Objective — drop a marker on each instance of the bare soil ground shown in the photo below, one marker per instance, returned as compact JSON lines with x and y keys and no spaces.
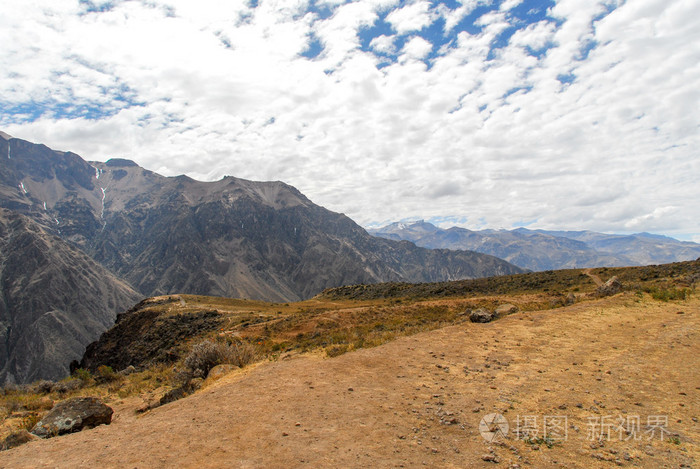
{"x":572,"y":373}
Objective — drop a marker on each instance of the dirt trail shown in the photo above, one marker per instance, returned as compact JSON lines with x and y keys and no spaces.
{"x":598,"y":282}
{"x":419,"y":400}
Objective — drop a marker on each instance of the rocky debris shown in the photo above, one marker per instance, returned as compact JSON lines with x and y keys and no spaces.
{"x":73,"y":415}
{"x":609,"y":288}
{"x":505,"y":309}
{"x":16,"y":439}
{"x":480,"y":315}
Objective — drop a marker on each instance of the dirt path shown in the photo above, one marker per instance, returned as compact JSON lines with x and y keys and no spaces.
{"x":419,"y":400}
{"x":598,"y":282}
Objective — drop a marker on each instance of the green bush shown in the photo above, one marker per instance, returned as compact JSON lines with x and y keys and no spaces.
{"x":82,"y":374}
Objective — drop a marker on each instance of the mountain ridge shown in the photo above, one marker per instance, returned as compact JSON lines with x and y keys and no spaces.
{"x":548,"y":250}
{"x":230,"y":237}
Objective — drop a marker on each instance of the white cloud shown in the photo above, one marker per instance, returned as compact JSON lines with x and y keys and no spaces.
{"x":510,"y":4}
{"x":488,"y":136}
{"x":417,"y":48}
{"x":412,"y":17}
{"x":535,"y":36}
{"x":383,"y":44}
{"x":452,"y":17}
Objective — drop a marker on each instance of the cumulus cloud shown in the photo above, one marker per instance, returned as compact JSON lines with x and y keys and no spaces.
{"x":584,"y":119}
{"x":417,"y":48}
{"x":383,"y":44}
{"x":413,"y":17}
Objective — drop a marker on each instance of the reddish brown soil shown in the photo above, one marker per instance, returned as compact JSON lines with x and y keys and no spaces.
{"x":418,"y":401}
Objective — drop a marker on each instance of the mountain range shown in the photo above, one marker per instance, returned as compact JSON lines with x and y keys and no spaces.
{"x":548,"y":250}
{"x":144,"y":234}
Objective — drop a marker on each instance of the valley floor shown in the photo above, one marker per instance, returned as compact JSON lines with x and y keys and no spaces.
{"x":571,"y":372}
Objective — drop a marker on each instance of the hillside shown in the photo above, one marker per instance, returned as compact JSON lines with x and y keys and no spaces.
{"x":238,"y":238}
{"x":54,"y":300}
{"x":419,"y":399}
{"x":540,"y":250}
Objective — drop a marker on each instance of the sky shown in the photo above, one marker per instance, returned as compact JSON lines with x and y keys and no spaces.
{"x":569,"y":114}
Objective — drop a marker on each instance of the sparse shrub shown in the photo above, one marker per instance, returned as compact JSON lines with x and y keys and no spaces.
{"x":105,"y":374}
{"x":207,"y":354}
{"x":669,"y":294}
{"x":82,"y":374}
{"x":68,"y":385}
{"x":30,"y":420}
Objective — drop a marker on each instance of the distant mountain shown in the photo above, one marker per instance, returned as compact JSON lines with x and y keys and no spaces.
{"x":54,"y":300}
{"x":641,"y":248}
{"x":548,"y":250}
{"x":261,"y":240}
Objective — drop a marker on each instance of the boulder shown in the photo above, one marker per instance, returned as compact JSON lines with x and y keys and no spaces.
{"x":480,"y":315}
{"x":505,"y":309}
{"x":611,"y":287}
{"x":73,"y":415}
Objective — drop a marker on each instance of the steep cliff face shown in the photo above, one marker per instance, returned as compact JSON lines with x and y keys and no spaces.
{"x":54,"y":300}
{"x":261,"y":240}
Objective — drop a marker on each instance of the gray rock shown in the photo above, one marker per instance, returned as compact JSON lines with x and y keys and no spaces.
{"x":505,"y":309}
{"x":611,"y":287}
{"x":480,"y":315}
{"x":73,"y":415}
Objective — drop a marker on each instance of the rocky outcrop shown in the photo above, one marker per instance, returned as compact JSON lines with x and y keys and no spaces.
{"x":73,"y":415}
{"x":481,"y":315}
{"x":150,"y":332}
{"x":609,"y":288}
